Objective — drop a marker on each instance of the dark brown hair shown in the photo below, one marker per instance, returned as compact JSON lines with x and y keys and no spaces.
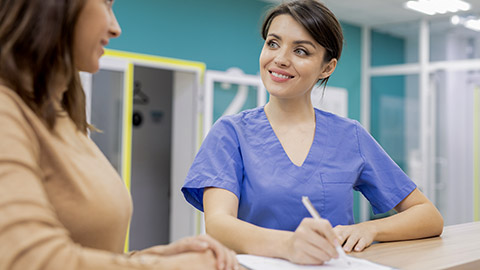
{"x":317,"y":19}
{"x":36,"y":51}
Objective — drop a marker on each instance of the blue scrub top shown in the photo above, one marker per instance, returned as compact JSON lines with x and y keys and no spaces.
{"x":242,"y":154}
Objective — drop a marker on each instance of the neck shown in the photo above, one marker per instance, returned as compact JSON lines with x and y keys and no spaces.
{"x":290,"y":111}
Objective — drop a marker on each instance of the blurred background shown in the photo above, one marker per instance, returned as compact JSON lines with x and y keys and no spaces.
{"x":409,"y":72}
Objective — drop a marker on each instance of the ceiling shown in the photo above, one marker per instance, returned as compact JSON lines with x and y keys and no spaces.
{"x":380,"y":12}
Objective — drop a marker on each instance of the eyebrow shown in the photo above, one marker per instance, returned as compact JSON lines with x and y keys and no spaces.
{"x":296,"y":41}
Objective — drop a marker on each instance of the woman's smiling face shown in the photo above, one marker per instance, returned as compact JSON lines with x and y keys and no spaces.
{"x":291,"y":62}
{"x":96,"y":25}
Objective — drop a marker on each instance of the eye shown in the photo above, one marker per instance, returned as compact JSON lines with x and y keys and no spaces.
{"x":301,"y":52}
{"x":272,"y":44}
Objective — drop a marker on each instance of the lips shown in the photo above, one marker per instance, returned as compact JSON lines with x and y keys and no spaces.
{"x":103,"y":44}
{"x":280,"y":76}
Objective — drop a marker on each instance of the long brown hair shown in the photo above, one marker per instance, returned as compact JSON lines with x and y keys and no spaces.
{"x":317,"y":19}
{"x":36,"y":50}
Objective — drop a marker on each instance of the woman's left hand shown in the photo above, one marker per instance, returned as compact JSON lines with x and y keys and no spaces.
{"x":355,"y":237}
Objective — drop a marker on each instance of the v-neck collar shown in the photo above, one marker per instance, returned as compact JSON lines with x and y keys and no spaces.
{"x":315,"y":153}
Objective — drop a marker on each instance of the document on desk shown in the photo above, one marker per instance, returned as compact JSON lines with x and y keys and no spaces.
{"x":253,"y":262}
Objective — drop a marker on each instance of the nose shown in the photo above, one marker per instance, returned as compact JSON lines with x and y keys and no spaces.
{"x":281,"y":59}
{"x":115,"y":30}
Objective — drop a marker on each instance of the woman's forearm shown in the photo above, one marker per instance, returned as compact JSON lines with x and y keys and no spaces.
{"x":247,"y":238}
{"x":418,"y":221}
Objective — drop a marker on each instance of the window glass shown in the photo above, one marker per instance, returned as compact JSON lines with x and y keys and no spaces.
{"x":453,"y":42}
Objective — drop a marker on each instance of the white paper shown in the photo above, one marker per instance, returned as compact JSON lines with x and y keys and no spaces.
{"x":265,"y":263}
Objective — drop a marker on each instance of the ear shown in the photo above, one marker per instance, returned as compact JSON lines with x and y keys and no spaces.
{"x":328,"y":68}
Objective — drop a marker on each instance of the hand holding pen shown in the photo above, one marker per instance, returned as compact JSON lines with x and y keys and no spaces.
{"x":343,"y":258}
{"x":313,"y":242}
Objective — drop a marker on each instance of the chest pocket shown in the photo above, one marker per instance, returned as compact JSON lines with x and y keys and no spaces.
{"x":338,"y":190}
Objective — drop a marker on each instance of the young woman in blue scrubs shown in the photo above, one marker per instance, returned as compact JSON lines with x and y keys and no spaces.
{"x":254,"y":167}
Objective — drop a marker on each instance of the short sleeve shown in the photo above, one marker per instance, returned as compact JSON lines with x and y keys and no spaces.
{"x":381,"y":180}
{"x":218,"y":163}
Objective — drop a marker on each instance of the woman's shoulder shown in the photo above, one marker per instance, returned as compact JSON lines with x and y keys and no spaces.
{"x":15,"y":113}
{"x":334,"y":120}
{"x":17,"y":119}
{"x":245,"y":124}
{"x":10,"y":102}
{"x":243,"y":118}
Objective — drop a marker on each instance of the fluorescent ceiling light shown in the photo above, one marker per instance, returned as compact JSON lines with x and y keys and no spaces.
{"x":432,"y":7}
{"x":473,"y":24}
{"x":470,"y":21}
{"x":455,"y":20}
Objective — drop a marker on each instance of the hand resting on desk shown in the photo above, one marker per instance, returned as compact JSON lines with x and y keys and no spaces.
{"x":202,"y":249}
{"x":355,"y":237}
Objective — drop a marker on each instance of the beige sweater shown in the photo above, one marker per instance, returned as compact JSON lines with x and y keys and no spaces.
{"x":62,"y":205}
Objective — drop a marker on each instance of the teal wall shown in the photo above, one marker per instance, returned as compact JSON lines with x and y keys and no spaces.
{"x":219,"y":33}
{"x":348,"y":72}
{"x":387,"y":49}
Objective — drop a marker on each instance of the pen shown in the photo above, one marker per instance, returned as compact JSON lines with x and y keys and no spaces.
{"x":313,"y":212}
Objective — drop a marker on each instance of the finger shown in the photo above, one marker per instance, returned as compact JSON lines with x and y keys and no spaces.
{"x":211,"y":255}
{"x":319,"y":243}
{"x":232,"y":263}
{"x":341,"y":234}
{"x":211,"y":241}
{"x":318,"y":256}
{"x":237,"y":263}
{"x":326,"y":237}
{"x":361,"y":245}
{"x":189,"y":244}
{"x":218,"y":250}
{"x":310,"y":254}
{"x":221,"y":258}
{"x":312,"y":242}
{"x":350,"y":243}
{"x":195,"y":244}
{"x":228,"y":260}
{"x":327,"y":230}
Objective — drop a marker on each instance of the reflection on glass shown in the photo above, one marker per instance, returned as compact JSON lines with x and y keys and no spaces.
{"x":232,"y":98}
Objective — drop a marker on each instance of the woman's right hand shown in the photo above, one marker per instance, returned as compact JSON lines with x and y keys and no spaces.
{"x":313,"y":242}
{"x":190,"y":260}
{"x":225,"y":259}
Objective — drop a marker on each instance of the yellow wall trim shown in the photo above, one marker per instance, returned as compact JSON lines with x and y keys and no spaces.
{"x":476,"y":153}
{"x":127,"y":135}
{"x":138,"y":57}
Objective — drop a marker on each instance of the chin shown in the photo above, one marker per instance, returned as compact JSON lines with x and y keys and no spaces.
{"x":94,"y":70}
{"x":90,"y":69}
